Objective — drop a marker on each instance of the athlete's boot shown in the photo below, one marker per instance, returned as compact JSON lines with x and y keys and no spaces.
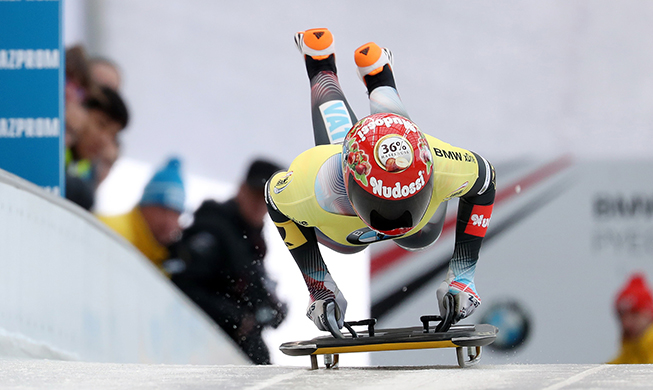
{"x":370,"y":59}
{"x":316,"y":43}
{"x":374,"y":65}
{"x":318,"y":49}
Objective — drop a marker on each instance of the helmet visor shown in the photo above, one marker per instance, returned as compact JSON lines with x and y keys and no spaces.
{"x":389,"y":216}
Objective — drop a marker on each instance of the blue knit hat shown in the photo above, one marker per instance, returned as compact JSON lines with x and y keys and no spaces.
{"x":166,"y":188}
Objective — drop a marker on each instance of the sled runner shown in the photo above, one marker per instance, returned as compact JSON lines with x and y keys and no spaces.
{"x":467,"y":339}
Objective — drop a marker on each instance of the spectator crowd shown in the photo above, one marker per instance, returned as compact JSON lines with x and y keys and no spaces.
{"x":217,"y":261}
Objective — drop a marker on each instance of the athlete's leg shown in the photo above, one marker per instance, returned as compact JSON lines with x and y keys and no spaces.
{"x":375,"y":69}
{"x":332,"y":116}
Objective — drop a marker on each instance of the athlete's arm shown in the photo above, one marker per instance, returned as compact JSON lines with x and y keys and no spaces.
{"x":474,"y":212}
{"x":303,"y":245}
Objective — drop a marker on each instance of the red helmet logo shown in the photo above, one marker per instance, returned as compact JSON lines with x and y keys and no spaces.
{"x":386,"y":156}
{"x":393,"y":153}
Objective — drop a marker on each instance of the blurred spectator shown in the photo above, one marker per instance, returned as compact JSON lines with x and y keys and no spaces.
{"x":107,"y":115}
{"x":79,"y":83}
{"x":222,"y":264}
{"x":76,"y":118}
{"x":94,"y":117}
{"x":634,"y":307}
{"x":105,"y":72}
{"x":103,"y":164}
{"x":153,"y":224}
{"x":78,"y":86}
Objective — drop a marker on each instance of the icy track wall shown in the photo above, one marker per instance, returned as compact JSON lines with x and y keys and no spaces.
{"x":72,"y":289}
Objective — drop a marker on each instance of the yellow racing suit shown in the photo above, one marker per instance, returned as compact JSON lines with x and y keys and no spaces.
{"x":309,"y":204}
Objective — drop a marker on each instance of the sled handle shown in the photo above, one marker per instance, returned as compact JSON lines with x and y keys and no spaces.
{"x":446,"y":322}
{"x":426,"y":320}
{"x":370,"y":322}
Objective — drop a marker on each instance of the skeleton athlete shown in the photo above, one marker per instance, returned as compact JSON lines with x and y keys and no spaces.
{"x":378,"y":178}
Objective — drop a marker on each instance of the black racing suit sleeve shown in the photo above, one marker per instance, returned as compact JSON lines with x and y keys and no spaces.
{"x":468,"y":246}
{"x":303,"y":245}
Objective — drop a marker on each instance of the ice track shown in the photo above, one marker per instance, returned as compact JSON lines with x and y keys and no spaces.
{"x":50,"y":374}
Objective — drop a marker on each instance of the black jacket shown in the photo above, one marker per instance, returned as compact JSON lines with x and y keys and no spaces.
{"x":224,"y":272}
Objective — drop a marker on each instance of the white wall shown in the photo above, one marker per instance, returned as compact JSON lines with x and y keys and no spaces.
{"x":72,"y":289}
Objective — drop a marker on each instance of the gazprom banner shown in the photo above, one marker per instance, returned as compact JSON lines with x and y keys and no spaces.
{"x":32,"y":91}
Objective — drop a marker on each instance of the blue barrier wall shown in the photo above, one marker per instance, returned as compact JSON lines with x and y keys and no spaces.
{"x":32,"y":91}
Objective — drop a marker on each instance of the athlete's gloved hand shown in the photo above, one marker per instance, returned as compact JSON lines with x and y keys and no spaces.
{"x":466,"y":300}
{"x":328,"y":314}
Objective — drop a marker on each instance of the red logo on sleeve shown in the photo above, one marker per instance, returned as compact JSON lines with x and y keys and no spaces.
{"x":479,"y":220}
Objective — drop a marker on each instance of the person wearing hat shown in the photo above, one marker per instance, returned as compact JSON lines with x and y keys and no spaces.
{"x":153,"y":224}
{"x":634,"y":305}
{"x":222,"y":271}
